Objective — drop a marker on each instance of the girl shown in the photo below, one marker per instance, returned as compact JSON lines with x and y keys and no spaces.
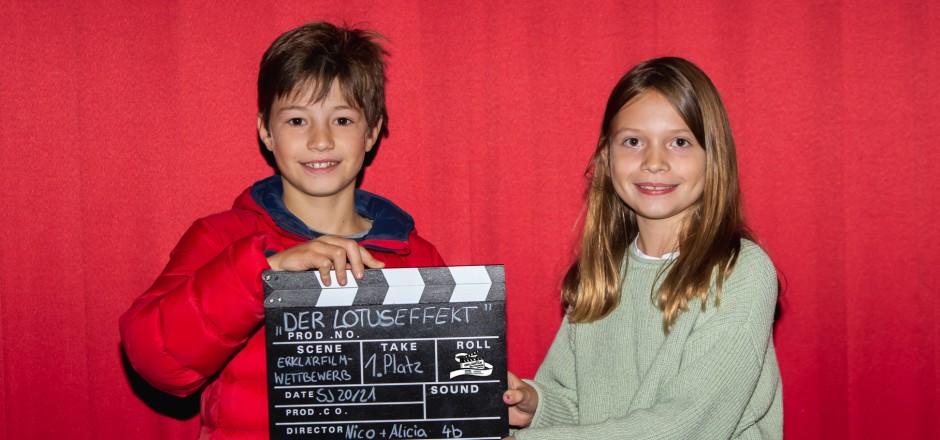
{"x":670,"y":304}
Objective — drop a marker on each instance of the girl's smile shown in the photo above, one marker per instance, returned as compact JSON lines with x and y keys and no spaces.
{"x":655,"y":189}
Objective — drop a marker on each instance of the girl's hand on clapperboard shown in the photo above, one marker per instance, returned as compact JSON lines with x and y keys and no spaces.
{"x":323,"y":254}
{"x":522,"y":400}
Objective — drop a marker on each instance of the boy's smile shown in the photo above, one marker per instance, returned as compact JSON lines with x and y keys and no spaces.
{"x":320,"y":165}
{"x":319,"y":148}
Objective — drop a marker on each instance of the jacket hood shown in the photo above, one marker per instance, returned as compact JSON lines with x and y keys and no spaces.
{"x":391,"y":225}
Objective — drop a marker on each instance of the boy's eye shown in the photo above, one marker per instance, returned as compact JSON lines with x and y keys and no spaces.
{"x":295,"y":121}
{"x":344,"y":121}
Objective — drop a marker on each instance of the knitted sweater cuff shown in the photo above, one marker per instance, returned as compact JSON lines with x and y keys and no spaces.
{"x":554,"y":408}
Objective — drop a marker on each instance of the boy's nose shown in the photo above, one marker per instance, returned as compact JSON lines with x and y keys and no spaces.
{"x":320,"y":140}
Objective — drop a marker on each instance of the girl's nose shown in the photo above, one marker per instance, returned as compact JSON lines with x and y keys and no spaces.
{"x":655,"y":161}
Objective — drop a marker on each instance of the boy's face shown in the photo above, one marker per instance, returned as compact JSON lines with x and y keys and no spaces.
{"x":318,"y":147}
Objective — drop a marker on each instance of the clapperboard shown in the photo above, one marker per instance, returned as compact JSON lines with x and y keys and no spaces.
{"x":400,"y":354}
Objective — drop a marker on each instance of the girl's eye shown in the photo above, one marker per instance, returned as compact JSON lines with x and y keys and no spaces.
{"x":681,"y":142}
{"x":344,"y":121}
{"x":631,"y":142}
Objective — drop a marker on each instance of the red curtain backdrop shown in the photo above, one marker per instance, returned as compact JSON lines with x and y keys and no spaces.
{"x":123,"y":122}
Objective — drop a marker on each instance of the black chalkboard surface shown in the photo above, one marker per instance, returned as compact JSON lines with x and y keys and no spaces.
{"x":414,"y":353}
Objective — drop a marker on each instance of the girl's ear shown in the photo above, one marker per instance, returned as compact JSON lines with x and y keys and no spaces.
{"x":264,"y":133}
{"x":373,"y":135}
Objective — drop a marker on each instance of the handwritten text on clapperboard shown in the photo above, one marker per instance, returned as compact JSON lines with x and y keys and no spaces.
{"x":400,"y":354}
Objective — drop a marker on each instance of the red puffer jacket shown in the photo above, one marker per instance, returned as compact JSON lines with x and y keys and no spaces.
{"x":199,"y":327}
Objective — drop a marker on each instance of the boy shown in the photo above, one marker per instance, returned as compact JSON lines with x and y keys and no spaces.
{"x":321,"y":103}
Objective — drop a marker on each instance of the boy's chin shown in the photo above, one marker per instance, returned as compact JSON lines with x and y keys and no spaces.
{"x":321,"y":191}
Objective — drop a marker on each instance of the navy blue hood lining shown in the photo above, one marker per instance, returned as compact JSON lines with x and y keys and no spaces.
{"x":389,"y":222}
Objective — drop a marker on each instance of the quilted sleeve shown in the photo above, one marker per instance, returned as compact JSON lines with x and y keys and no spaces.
{"x":199,"y":312}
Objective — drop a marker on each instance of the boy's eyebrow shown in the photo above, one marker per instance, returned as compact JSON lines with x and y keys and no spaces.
{"x":292,"y":107}
{"x":304,"y":107}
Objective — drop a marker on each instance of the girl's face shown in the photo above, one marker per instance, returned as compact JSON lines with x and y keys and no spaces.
{"x":656,"y":165}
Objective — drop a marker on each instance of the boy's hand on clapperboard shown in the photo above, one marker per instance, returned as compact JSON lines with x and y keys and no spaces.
{"x":323,"y":254}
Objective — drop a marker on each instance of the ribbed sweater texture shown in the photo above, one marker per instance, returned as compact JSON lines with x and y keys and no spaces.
{"x":713,"y":376}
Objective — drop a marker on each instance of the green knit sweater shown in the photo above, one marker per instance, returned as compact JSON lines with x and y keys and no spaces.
{"x":714,"y":376}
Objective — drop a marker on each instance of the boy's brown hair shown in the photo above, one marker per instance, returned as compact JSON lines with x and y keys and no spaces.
{"x":304,"y":62}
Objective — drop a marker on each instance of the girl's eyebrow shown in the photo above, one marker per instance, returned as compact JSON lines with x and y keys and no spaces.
{"x":624,"y":129}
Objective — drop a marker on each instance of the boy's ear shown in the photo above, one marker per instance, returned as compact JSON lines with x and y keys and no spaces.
{"x":374,"y":135}
{"x":263,"y":133}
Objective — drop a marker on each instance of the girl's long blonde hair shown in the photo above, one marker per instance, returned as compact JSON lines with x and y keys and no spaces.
{"x":710,"y":237}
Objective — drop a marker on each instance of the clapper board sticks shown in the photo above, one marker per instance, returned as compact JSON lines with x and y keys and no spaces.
{"x":415,"y":353}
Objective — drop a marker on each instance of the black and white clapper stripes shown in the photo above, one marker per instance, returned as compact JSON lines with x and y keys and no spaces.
{"x":387,"y":286}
